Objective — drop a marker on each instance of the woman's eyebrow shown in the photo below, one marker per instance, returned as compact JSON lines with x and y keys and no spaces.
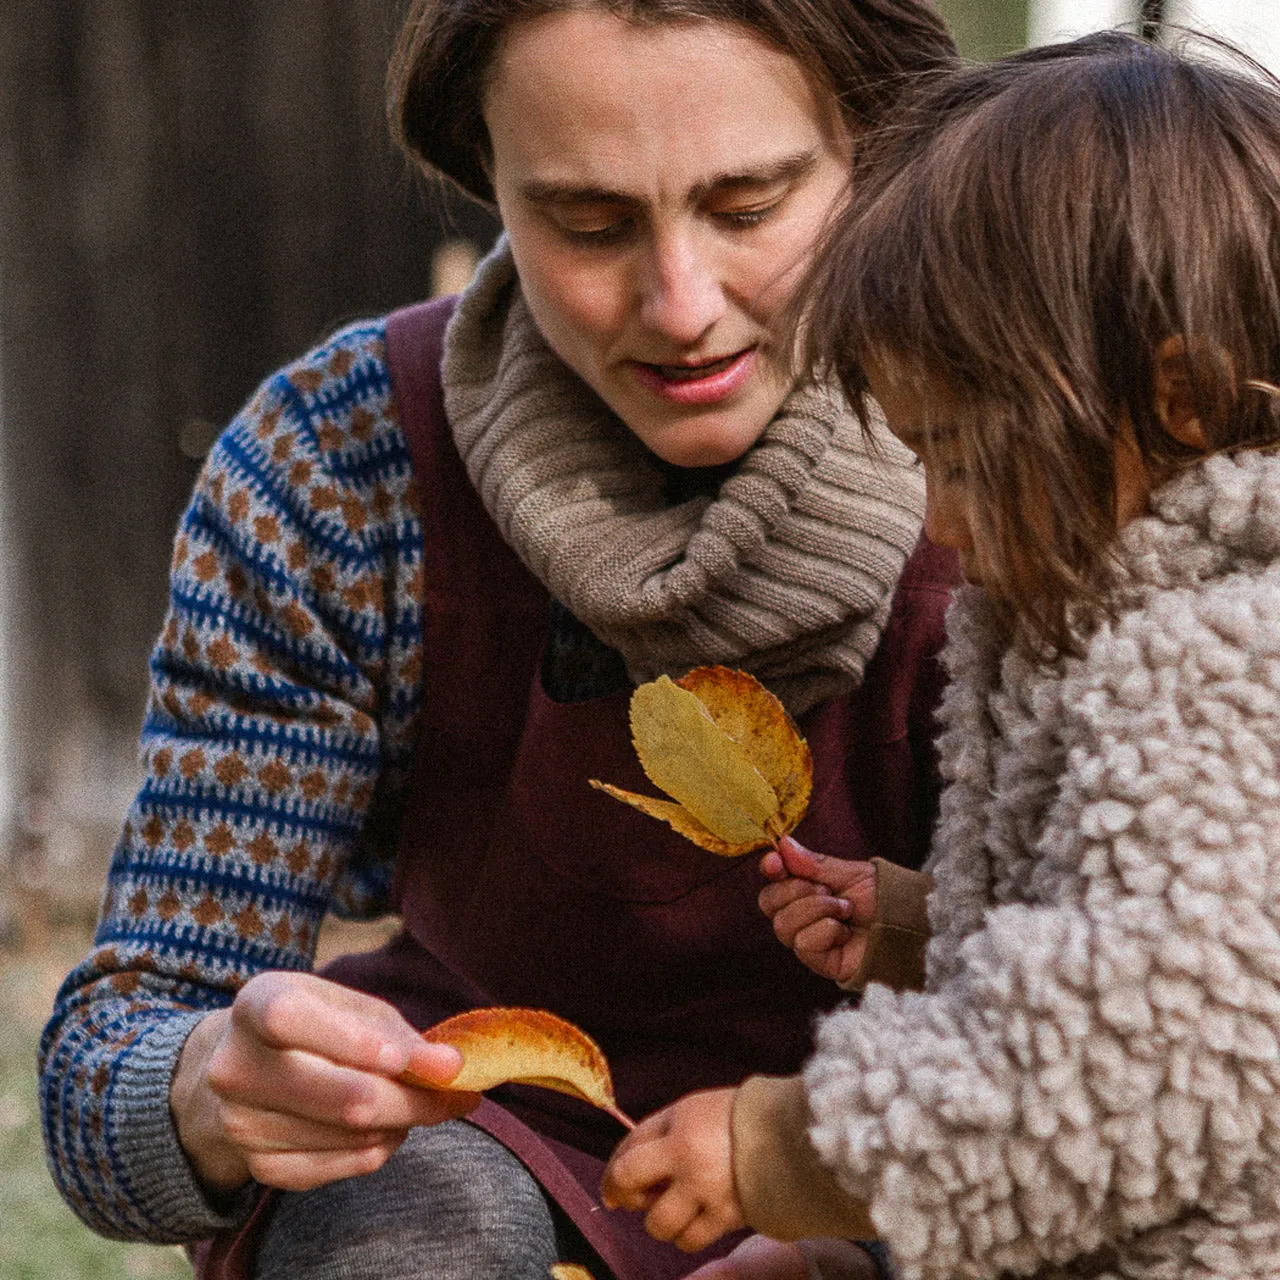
{"x":536,"y":191}
{"x":785,"y":169}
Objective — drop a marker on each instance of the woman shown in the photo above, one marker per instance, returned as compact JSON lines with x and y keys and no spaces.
{"x":417,"y":580}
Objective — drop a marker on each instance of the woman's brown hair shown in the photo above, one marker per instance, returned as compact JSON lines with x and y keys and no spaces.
{"x":1027,"y":239}
{"x":862,"y":52}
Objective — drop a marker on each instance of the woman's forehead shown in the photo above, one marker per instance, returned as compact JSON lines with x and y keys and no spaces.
{"x":584,"y":98}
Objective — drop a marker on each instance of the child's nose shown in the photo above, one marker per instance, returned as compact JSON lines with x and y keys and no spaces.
{"x":945,"y":521}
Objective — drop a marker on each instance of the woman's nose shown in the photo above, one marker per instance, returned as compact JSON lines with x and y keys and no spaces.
{"x":681,"y":295}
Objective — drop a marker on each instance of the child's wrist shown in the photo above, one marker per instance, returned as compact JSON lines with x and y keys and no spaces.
{"x":784,"y":1190}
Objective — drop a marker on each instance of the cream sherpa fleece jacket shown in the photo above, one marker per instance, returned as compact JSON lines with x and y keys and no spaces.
{"x":1090,"y":1083}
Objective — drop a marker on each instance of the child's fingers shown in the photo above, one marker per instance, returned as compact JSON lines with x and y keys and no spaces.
{"x":843,"y":876}
{"x":672,"y":1215}
{"x":800,"y":861}
{"x":821,"y":937}
{"x":772,"y":867}
{"x":633,"y":1171}
{"x":774,"y":897}
{"x":803,"y":914}
{"x":687,"y":1222}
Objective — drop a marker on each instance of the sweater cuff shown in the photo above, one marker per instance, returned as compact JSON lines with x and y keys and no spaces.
{"x":784,"y":1190}
{"x":899,"y":933}
{"x":154,"y":1168}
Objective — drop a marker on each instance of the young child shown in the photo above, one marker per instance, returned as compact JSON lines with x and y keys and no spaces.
{"x":1064,"y":292}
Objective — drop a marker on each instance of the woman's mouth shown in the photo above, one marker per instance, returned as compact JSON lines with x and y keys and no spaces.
{"x":704,"y":382}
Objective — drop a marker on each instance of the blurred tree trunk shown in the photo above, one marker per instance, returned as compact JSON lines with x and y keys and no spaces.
{"x":190,"y":194}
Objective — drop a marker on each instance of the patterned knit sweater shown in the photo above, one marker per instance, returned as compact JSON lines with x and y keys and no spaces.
{"x":276,"y":742}
{"x":1089,"y":1086}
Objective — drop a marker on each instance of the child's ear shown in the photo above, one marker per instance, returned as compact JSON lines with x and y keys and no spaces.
{"x":1178,"y":375}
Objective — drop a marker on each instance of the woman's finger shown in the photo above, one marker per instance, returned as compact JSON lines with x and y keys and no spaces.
{"x":301,"y":1011}
{"x":310,"y":1087}
{"x":267,"y":1132}
{"x":304,"y":1170}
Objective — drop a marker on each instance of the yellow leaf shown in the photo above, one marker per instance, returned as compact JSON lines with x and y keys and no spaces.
{"x":759,"y":723}
{"x":680,"y":820}
{"x":524,"y":1046}
{"x":569,"y":1271}
{"x":684,"y":751}
{"x":725,"y":748}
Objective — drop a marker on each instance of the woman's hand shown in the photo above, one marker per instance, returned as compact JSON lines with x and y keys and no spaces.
{"x":295,"y":1085}
{"x":677,"y":1164}
{"x":821,"y":907}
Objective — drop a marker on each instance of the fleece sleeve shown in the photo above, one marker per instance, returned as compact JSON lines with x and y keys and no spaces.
{"x":899,"y":933}
{"x":277,"y":731}
{"x":1100,"y":1059}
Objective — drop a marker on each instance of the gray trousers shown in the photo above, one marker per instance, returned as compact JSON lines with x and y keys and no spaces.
{"x":451,"y":1204}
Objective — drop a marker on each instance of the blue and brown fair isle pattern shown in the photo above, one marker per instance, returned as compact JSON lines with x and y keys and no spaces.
{"x":285,"y":689}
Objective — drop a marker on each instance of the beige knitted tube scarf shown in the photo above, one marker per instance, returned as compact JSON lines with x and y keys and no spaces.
{"x":788,"y":572}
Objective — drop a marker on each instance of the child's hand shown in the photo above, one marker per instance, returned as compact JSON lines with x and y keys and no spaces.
{"x":677,"y":1164}
{"x":820,"y":907}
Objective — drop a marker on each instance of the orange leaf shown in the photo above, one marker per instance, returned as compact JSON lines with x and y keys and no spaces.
{"x":728,"y":753}
{"x":524,"y":1046}
{"x":569,"y":1271}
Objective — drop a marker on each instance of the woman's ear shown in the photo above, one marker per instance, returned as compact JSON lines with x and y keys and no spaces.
{"x":1186,"y":384}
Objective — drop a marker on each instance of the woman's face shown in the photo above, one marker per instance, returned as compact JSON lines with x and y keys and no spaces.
{"x":661,"y":187}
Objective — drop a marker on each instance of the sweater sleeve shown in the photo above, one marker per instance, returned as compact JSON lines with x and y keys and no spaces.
{"x":275,"y":742}
{"x":1101,"y":1060}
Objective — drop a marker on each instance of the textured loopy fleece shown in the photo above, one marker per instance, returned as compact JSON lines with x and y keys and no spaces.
{"x":1091,"y":1080}
{"x":285,"y":688}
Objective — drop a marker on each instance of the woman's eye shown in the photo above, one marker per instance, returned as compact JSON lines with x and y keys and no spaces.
{"x":751,"y":217}
{"x":591,"y":231}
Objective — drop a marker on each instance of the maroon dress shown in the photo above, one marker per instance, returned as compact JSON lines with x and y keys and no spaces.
{"x":519,"y":884}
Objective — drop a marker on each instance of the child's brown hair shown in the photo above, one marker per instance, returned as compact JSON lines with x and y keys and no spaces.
{"x":1030,"y":237}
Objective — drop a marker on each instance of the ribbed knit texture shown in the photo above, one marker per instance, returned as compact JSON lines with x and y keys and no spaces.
{"x":1090,"y":1084}
{"x":788,"y":571}
{"x":276,"y":742}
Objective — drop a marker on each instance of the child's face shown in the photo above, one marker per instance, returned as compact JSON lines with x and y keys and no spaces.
{"x":924,"y":416}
